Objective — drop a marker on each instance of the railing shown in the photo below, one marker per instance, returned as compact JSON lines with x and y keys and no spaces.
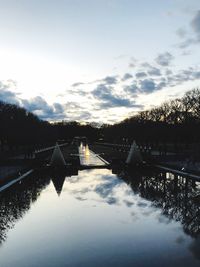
{"x":48,"y":148}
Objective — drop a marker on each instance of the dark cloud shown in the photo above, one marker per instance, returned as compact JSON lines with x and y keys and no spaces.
{"x":132,"y":88}
{"x":41,"y":108}
{"x":37,"y":103}
{"x":116,"y":102}
{"x":164,"y":59}
{"x":141,"y":74}
{"x":196,"y":75}
{"x":110,"y":80}
{"x":126,"y":76}
{"x":182,"y":76}
{"x":104,"y":94}
{"x":145,"y":65}
{"x":154,"y":71}
{"x":58,"y":108}
{"x":193,"y":39}
{"x":158,"y":81}
{"x":151,"y":70}
{"x":195,"y":23}
{"x":161,"y":85}
{"x":168,"y":72}
{"x":8,"y":96}
{"x":77,"y":84}
{"x":148,"y":86}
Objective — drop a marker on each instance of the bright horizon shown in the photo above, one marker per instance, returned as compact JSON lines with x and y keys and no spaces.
{"x":97,"y":61}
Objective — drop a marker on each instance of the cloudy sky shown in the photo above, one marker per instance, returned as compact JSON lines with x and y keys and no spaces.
{"x":97,"y":60}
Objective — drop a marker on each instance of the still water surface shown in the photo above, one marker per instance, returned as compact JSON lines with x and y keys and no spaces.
{"x":98,"y":218}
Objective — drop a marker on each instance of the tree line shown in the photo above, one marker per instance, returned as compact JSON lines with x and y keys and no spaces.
{"x":18,"y":127}
{"x":175,"y":121}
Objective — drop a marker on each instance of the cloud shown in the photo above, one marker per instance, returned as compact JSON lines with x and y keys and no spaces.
{"x":80,"y":115}
{"x":113,"y":101}
{"x":154,"y":71}
{"x":195,"y":24}
{"x":181,"y":32}
{"x":158,"y":81}
{"x":41,"y":108}
{"x":106,"y":191}
{"x":186,"y":43}
{"x":36,"y":105}
{"x":127,"y":76}
{"x":168,"y":72}
{"x":147,"y":86}
{"x":151,"y":70}
{"x":194,"y":38}
{"x":58,"y":108}
{"x":164,"y":59}
{"x":141,"y":74}
{"x":110,"y":80}
{"x":77,"y":84}
{"x":107,"y":99}
{"x":6,"y":95}
{"x":161,"y":85}
{"x":9,"y":97}
{"x":132,"y":88}
{"x":77,"y":91}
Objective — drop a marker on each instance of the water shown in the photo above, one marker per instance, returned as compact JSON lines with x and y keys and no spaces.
{"x":89,"y":158}
{"x":98,"y":218}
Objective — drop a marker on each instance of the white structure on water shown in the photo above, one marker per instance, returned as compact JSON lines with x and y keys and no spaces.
{"x":57,"y":158}
{"x":134,"y":156}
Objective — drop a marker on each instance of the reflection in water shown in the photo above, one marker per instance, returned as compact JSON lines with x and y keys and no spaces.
{"x":89,"y":158}
{"x":58,"y":183}
{"x":100,"y":214}
{"x":58,"y":179}
{"x":17,"y":200}
{"x":87,"y":151}
{"x":176,"y":196}
{"x":195,"y":247}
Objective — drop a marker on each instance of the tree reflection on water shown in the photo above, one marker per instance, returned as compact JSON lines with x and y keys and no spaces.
{"x":17,"y":200}
{"x":178,"y":198}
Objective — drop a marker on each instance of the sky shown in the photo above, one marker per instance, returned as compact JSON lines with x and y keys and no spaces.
{"x":97,"y":60}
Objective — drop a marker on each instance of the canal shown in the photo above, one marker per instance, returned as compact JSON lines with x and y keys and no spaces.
{"x":101,"y":217}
